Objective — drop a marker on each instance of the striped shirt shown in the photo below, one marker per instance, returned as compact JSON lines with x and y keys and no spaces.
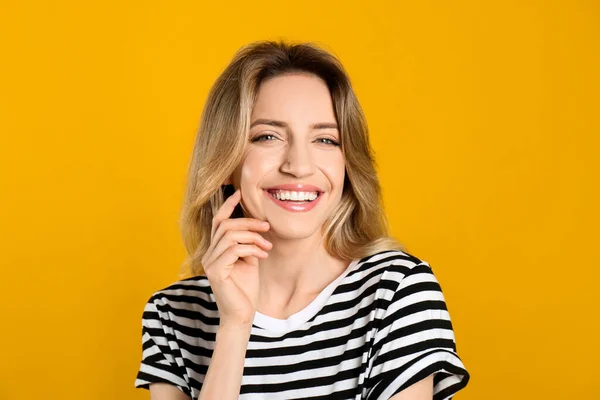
{"x":380,"y":327}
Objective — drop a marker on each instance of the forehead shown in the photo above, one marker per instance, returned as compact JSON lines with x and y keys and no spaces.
{"x":297,"y":96}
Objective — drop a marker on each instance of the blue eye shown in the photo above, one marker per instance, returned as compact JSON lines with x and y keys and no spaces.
{"x":330,"y":141}
{"x":257,"y":139}
{"x":261,"y":137}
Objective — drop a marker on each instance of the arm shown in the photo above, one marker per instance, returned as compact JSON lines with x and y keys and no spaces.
{"x":224,"y":376}
{"x":232,"y":272}
{"x":422,"y":390}
{"x":165,"y":391}
{"x":415,"y":340}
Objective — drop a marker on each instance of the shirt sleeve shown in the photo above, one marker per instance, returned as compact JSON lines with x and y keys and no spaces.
{"x":161,"y":355}
{"x":414,"y":340}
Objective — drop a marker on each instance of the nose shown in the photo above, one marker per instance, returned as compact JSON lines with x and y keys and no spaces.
{"x":298,"y":160}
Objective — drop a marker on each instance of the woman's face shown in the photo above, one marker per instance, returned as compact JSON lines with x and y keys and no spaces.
{"x":293,"y":139}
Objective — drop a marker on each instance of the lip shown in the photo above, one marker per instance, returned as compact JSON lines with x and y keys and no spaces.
{"x":296,"y":187}
{"x":294,"y":206}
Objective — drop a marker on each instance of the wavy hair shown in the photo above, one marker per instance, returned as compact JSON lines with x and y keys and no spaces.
{"x":358,"y":227}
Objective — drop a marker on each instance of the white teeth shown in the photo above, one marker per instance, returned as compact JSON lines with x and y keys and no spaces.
{"x":294,"y":196}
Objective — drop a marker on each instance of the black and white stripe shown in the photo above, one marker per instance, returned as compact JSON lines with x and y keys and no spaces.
{"x":379,"y":328}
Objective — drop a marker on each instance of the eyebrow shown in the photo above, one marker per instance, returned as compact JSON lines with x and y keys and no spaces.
{"x":281,"y":124}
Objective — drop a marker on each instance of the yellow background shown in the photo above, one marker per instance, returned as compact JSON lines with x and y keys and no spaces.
{"x":484,"y":117}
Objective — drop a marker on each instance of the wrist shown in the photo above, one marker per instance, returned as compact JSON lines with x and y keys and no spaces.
{"x":234,"y":330}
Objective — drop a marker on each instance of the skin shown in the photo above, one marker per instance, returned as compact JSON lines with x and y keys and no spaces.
{"x":297,"y":267}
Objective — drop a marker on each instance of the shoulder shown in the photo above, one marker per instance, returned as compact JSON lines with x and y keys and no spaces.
{"x":390,"y":267}
{"x":183,"y":290}
{"x":183,"y":301}
{"x":413,"y":336}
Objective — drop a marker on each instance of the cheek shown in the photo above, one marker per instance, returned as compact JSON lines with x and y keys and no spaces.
{"x":335,"y":170}
{"x":254,"y":167}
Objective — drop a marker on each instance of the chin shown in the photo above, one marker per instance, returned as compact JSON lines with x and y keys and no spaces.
{"x":286,"y":230}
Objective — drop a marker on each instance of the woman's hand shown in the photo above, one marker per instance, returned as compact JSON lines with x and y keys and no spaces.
{"x":231,"y":263}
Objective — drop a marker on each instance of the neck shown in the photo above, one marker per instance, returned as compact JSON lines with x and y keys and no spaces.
{"x":297,"y":268}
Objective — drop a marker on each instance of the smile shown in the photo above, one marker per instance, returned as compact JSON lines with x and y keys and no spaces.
{"x":294,"y":201}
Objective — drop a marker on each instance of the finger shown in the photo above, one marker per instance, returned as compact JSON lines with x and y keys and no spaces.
{"x":221,"y":268}
{"x":225,"y":210}
{"x":251,"y":260}
{"x":232,"y":238}
{"x":242,"y":224}
{"x":243,"y":237}
{"x":238,"y":224}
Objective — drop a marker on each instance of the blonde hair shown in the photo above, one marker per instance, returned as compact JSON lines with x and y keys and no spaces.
{"x":358,"y":226}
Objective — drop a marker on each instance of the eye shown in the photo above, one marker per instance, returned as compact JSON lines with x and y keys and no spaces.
{"x":259,"y":138}
{"x":264,"y":138}
{"x":329,"y":141}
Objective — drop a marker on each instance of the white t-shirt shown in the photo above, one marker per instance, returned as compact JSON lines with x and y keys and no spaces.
{"x":377,"y":329}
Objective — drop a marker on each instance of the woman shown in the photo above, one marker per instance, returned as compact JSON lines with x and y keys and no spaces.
{"x":298,"y":292}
